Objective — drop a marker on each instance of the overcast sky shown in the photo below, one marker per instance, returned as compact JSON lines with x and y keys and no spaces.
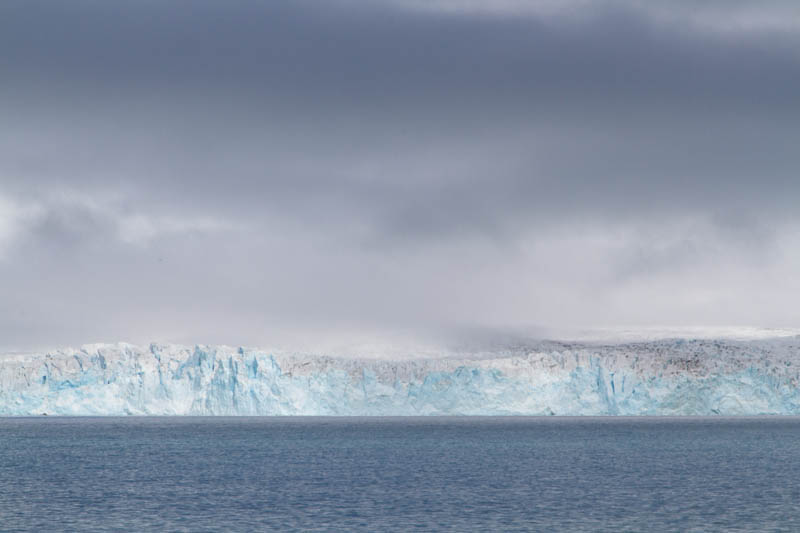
{"x":230,"y":172}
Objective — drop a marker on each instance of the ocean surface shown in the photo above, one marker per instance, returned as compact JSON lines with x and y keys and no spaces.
{"x":400,"y":474}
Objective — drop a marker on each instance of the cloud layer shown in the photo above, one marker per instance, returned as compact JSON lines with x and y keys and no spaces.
{"x":198,"y":171}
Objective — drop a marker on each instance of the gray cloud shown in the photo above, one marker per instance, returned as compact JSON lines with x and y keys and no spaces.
{"x":226,"y":172}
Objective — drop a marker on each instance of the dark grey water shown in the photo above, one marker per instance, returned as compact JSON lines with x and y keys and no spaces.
{"x":245,"y":474}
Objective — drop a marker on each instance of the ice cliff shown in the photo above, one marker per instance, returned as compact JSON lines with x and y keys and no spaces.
{"x":665,"y":377}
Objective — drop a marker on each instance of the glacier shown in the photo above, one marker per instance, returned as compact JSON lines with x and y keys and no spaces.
{"x":659,"y":377}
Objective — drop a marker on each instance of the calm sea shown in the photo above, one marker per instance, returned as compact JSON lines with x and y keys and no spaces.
{"x":399,"y":474}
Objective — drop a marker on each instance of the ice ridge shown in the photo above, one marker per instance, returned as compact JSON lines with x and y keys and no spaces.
{"x":666,"y":377}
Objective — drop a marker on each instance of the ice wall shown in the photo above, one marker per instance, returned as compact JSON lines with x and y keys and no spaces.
{"x":669,"y":377}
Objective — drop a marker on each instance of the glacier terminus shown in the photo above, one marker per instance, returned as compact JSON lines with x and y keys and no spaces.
{"x":653,"y":377}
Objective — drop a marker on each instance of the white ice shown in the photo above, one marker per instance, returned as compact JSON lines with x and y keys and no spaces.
{"x":661,"y":377}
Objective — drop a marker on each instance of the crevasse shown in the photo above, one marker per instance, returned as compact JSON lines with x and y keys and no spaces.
{"x":670,"y":377}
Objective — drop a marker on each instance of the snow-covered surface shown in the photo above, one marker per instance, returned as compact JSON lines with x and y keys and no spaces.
{"x":658,"y":377}
{"x":653,"y":333}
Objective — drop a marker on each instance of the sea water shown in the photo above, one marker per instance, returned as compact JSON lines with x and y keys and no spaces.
{"x":400,"y":474}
